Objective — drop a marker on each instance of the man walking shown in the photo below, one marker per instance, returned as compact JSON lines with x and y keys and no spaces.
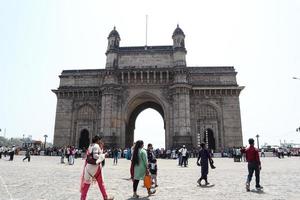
{"x":27,"y":155}
{"x":254,"y":165}
{"x":203,"y":159}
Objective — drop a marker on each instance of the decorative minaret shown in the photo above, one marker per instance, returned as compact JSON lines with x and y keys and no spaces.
{"x":112,"y":49}
{"x":179,"y":47}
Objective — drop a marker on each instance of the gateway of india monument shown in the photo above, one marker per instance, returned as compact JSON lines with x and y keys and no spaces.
{"x":198,"y":104}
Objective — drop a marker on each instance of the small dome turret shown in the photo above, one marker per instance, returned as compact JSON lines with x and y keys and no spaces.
{"x":178,"y":31}
{"x":113,"y":40}
{"x":114,"y":33}
{"x":178,"y":38}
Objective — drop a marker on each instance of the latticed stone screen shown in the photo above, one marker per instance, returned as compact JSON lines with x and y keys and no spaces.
{"x":85,"y":113}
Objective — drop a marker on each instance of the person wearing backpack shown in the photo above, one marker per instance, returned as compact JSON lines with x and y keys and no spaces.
{"x":93,"y":169}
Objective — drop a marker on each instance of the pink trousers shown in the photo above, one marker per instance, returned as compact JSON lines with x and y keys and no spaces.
{"x":100,"y":182}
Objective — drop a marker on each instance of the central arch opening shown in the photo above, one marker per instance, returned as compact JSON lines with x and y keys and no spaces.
{"x":149,"y":127}
{"x":150,"y":124}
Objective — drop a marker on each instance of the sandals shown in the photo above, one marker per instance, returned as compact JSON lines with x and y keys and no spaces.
{"x":151,"y":192}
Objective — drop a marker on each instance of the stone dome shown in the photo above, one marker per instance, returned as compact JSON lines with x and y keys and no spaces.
{"x":114,"y":33}
{"x":178,"y":31}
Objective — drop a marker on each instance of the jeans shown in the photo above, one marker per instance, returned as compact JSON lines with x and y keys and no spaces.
{"x":253,"y":167}
{"x":183,"y":162}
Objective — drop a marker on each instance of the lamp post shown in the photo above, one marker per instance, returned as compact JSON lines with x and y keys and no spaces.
{"x":45,"y":136}
{"x":257,"y":136}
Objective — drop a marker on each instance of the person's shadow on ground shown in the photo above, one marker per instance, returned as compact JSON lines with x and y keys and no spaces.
{"x":257,"y":191}
{"x":140,"y":198}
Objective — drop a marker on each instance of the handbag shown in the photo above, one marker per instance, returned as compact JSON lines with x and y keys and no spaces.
{"x":90,"y":159}
{"x":147,"y":181}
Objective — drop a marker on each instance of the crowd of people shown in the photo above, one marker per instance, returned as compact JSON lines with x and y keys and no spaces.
{"x":7,"y":152}
{"x":144,"y":163}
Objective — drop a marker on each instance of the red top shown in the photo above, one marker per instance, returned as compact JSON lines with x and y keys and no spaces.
{"x":252,"y":154}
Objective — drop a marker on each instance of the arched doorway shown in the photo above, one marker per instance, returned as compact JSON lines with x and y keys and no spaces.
{"x":209,"y":139}
{"x":149,"y":127}
{"x":84,"y":140}
{"x":130,"y":126}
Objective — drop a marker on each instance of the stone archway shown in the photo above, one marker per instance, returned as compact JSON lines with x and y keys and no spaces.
{"x":209,"y":139}
{"x":129,"y":133}
{"x":138,"y":104}
{"x":84,"y":140}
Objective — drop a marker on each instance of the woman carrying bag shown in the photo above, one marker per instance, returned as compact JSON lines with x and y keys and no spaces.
{"x":140,"y":167}
{"x":93,"y":169}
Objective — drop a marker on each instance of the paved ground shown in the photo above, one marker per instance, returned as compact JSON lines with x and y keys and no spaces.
{"x":45,"y":178}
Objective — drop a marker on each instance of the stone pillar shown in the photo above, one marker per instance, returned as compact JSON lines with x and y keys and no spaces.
{"x":147,"y":76}
{"x":110,"y":126}
{"x":181,"y":110}
{"x":63,"y":122}
{"x":167,"y":76}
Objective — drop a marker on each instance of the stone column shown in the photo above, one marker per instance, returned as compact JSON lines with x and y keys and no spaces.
{"x":181,"y":115}
{"x":63,"y":122}
{"x":110,"y":126}
{"x":167,"y":76}
{"x":147,"y":76}
{"x":181,"y":110}
{"x":141,"y":76}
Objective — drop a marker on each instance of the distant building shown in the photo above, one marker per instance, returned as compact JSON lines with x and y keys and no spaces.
{"x":198,"y":104}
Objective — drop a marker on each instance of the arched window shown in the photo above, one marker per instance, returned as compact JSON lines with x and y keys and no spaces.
{"x":86,"y":113}
{"x":207,"y":112}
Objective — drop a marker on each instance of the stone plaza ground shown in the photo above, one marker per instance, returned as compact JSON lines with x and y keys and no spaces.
{"x":44,"y":178}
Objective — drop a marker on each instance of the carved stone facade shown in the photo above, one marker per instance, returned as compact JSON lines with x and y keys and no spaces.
{"x":198,"y":104}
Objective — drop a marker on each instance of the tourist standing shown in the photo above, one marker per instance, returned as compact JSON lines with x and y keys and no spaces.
{"x":254,"y":165}
{"x":71,"y":155}
{"x":150,"y":153}
{"x":153,"y":171}
{"x":204,"y":157}
{"x":1,"y":151}
{"x":140,"y":164}
{"x":62,"y":155}
{"x":262,"y":153}
{"x":184,"y":155}
{"x":115,"y":155}
{"x":27,"y":155}
{"x":93,"y":169}
{"x":12,"y":153}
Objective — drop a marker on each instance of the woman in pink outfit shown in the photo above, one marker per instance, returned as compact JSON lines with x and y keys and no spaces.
{"x":93,"y":169}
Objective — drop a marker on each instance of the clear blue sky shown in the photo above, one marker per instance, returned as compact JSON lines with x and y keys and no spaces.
{"x":38,"y":39}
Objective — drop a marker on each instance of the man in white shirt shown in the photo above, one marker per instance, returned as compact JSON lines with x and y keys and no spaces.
{"x":183,"y":152}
